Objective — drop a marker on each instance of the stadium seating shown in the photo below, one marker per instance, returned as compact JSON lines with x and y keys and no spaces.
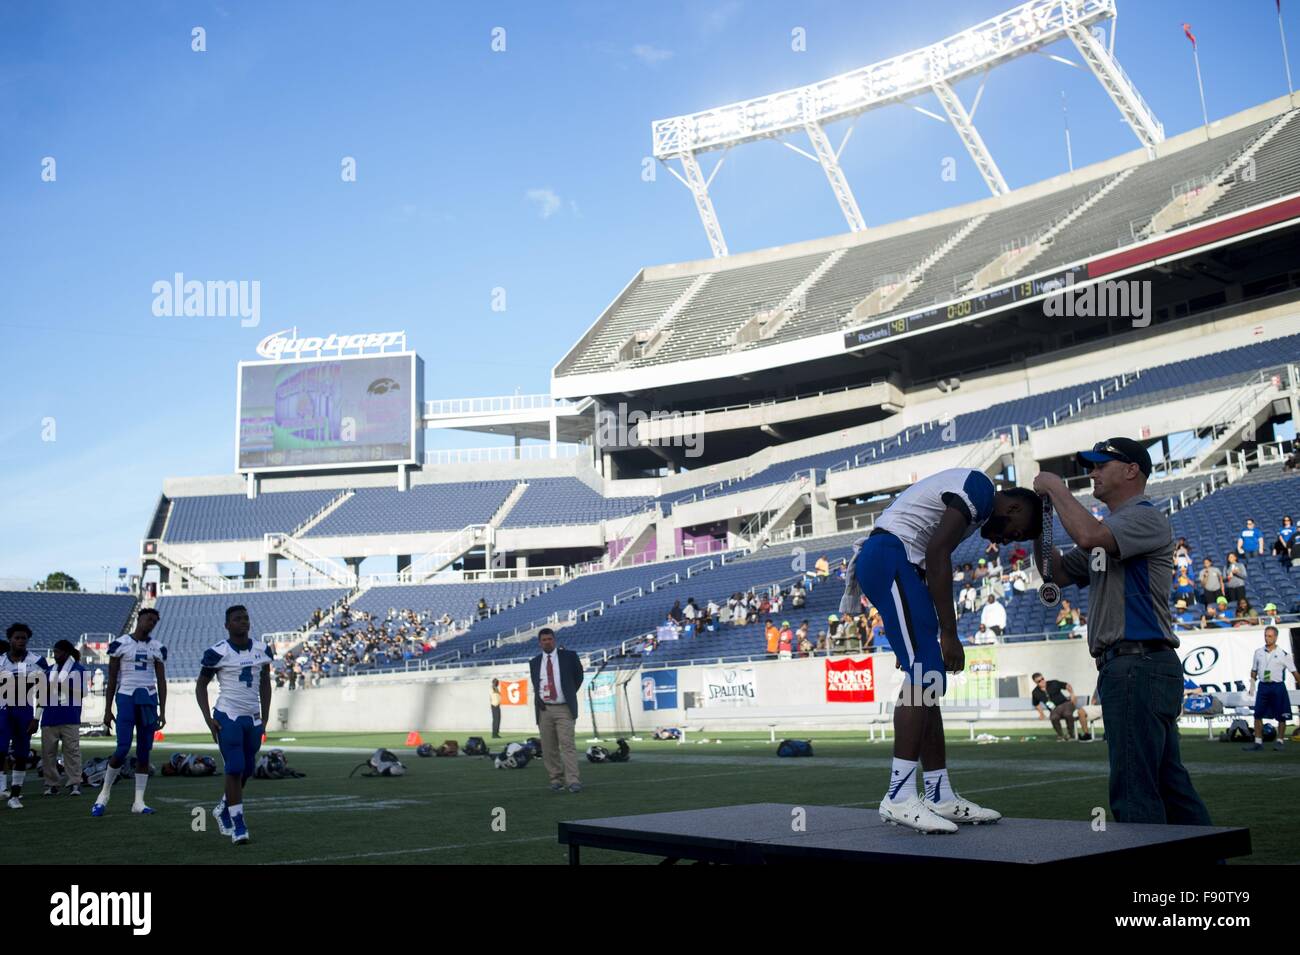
{"x":706,"y":326}
{"x":191,"y":624}
{"x":57,"y":616}
{"x":551,"y":501}
{"x":423,"y":508}
{"x":229,"y":517}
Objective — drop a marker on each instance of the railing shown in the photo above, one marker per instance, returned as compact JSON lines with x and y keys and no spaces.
{"x":694,"y":568}
{"x":856,"y":522}
{"x":629,"y":594}
{"x":494,"y":405}
{"x":525,"y":452}
{"x":463,"y":541}
{"x":594,"y":609}
{"x":664,"y":581}
{"x":1229,"y":411}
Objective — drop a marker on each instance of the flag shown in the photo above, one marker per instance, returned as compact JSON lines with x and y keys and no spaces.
{"x":1187,"y":31}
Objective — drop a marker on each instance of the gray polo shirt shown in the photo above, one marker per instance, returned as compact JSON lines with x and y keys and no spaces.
{"x":1129,"y":593}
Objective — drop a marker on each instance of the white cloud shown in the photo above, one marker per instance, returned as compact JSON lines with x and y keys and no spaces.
{"x":548,"y":203}
{"x":651,"y":55}
{"x":714,"y":20}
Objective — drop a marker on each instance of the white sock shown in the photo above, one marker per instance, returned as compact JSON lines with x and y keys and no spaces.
{"x":110,"y":777}
{"x":1259,"y":741}
{"x":20,"y":776}
{"x":221,"y":803}
{"x":902,"y":780}
{"x":236,"y":811}
{"x":937,"y":787}
{"x":141,"y":780}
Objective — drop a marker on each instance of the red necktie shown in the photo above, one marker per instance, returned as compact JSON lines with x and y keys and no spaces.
{"x":550,"y":679}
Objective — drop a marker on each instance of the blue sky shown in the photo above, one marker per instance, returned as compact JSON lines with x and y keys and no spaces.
{"x":475,"y":170}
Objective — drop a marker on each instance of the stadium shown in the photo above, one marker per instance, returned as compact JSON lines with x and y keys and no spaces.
{"x":720,"y":436}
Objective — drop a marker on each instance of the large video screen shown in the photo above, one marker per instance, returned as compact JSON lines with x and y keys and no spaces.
{"x":328,"y":412}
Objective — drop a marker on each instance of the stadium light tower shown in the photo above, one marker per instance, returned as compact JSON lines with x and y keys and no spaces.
{"x":932,"y":69}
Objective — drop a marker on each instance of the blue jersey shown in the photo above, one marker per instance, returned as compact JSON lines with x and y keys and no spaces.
{"x":18,"y":678}
{"x":137,"y":677}
{"x":239,"y":675}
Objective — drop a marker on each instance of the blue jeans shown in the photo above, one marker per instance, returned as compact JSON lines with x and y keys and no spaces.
{"x":1142,"y":694}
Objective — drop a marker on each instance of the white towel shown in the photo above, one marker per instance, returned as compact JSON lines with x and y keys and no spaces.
{"x":851,"y":602}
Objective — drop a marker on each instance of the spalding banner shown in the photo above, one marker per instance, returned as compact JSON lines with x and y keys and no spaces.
{"x":728,"y":686}
{"x":850,"y":681}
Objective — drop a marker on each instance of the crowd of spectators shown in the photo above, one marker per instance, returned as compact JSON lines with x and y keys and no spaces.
{"x":358,"y":640}
{"x":1217,"y":595}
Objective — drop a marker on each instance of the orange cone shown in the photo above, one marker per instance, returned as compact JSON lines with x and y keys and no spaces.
{"x":413,"y":739}
{"x":263,"y":737}
{"x":158,"y":736}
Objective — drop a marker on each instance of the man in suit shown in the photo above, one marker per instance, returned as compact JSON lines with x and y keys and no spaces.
{"x":557,"y":677}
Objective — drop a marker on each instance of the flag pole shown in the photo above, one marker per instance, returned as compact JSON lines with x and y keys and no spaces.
{"x":1286,"y":60}
{"x":1069,"y":153}
{"x":1196,"y":58}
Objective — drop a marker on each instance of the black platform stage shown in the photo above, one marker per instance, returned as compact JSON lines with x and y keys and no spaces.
{"x":763,"y":833}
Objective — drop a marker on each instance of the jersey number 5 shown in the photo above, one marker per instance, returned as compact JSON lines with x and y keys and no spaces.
{"x":142,"y":661}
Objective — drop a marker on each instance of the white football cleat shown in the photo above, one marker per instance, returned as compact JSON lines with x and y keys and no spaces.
{"x":914,"y":813}
{"x":962,"y":810}
{"x":15,"y":803}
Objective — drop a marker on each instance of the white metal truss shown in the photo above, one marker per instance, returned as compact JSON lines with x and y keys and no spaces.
{"x":1022,"y":30}
{"x":829,"y":159}
{"x":699,"y":186}
{"x":1122,"y":90}
{"x":971,"y":137}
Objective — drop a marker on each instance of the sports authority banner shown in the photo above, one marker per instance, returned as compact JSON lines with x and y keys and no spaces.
{"x":1218,"y":661}
{"x":602,"y":693}
{"x":513,"y":692}
{"x":850,"y":681}
{"x":728,"y":686}
{"x":659,"y":690}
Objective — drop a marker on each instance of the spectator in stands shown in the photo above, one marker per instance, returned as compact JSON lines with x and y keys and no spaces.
{"x":1182,"y":556}
{"x":1019,"y":581}
{"x":690,"y":612}
{"x":803,"y":632}
{"x":494,"y":702}
{"x":676,"y":614}
{"x":1057,"y":698}
{"x":1211,"y":620}
{"x":1251,"y":541}
{"x":1244,"y":615}
{"x":822,"y":567}
{"x":483,"y":611}
{"x":1269,"y":617}
{"x":61,"y":719}
{"x":1184,"y":589}
{"x":778,"y":601}
{"x":1235,"y":579}
{"x":798,"y":596}
{"x":1065,"y":616}
{"x":981,"y":570}
{"x":994,"y":616}
{"x":993,"y":585}
{"x":740,"y":615}
{"x":1292,"y":462}
{"x":806,"y":647}
{"x":773,"y":634}
{"x":849,"y":632}
{"x":1095,"y":511}
{"x":833,"y":625}
{"x":712,"y":610}
{"x":1210,"y":580}
{"x":1185,"y":619}
{"x":983,"y":636}
{"x":1282,"y":545}
{"x":315,"y":617}
{"x":724,"y":614}
{"x":967,"y":599}
{"x":785,"y":641}
{"x":1080,"y":629}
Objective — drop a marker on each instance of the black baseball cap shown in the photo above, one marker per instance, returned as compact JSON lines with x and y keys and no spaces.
{"x":1125,"y":450}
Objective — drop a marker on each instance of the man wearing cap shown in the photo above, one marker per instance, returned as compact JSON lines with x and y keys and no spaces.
{"x":1127,"y":561}
{"x":61,"y":719}
{"x":1185,"y":619}
{"x":1269,"y":667}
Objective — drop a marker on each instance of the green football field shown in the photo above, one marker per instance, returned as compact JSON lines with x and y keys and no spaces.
{"x":443,"y":810}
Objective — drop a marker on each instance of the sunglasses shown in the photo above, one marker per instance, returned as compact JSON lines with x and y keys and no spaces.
{"x":1104,"y":447}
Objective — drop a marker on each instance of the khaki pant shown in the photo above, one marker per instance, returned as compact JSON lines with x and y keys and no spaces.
{"x":559,"y":754}
{"x":70,"y":735}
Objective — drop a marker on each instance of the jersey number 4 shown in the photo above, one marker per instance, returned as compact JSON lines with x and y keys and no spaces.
{"x":246,"y":676}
